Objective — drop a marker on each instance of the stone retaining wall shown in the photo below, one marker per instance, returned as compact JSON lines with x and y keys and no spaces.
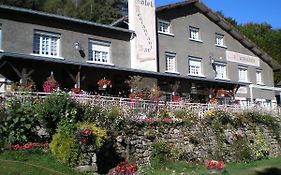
{"x":195,"y":142}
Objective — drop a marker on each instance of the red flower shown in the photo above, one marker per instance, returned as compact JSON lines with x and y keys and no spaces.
{"x":125,"y":168}
{"x":167,"y":120}
{"x":104,"y":82}
{"x":214,"y":164}
{"x":220,"y":165}
{"x":27,"y":146}
{"x":149,"y":120}
{"x":86,"y":132}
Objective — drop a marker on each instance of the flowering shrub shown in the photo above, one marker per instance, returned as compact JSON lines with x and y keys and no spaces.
{"x":75,"y":90}
{"x":176,"y":98}
{"x":168,"y":120}
{"x":50,"y":85}
{"x":27,"y":85}
{"x":103,"y":83}
{"x":222,"y":93}
{"x":27,"y":146}
{"x":85,"y":136}
{"x":150,"y":120}
{"x":259,"y":148}
{"x":90,"y":133}
{"x":212,"y":164}
{"x":135,"y":83}
{"x":155,"y":93}
{"x":125,"y":168}
{"x":135,"y":95}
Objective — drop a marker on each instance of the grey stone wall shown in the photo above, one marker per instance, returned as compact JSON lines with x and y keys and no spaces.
{"x":195,"y":142}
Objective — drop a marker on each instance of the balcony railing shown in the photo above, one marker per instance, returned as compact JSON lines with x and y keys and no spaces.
{"x":140,"y":105}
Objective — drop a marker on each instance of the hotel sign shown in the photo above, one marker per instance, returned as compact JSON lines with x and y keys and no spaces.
{"x":242,"y":58}
{"x":143,"y":45}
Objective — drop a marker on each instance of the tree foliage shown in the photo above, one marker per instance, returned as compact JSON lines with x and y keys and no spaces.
{"x":105,"y":11}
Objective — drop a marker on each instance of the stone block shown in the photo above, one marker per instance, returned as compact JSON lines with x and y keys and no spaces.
{"x":87,"y":168}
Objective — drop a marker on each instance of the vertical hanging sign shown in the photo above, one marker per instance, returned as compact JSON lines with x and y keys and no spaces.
{"x":143,"y":44}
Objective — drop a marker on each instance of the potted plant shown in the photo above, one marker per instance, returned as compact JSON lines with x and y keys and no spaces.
{"x":104,"y":83}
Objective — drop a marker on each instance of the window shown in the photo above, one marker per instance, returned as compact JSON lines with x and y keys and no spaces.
{"x":164,"y":27}
{"x":243,"y":74}
{"x":170,"y":62}
{"x":45,"y":43}
{"x":99,"y":51}
{"x":195,"y":67}
{"x":219,"y":40}
{"x":258,"y":76}
{"x":194,"y":33}
{"x":220,"y":71}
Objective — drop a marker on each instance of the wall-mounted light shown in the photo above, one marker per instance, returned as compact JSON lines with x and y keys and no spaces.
{"x":212,"y":60}
{"x":77,"y":46}
{"x":80,"y":49}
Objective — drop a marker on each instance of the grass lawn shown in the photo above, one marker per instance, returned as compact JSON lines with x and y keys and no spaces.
{"x":38,"y":162}
{"x":32,"y":162}
{"x":183,"y":168}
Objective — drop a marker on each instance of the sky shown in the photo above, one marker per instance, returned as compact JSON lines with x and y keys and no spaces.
{"x":243,"y":11}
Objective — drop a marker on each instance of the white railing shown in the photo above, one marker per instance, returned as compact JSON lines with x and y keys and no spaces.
{"x":142,"y":106}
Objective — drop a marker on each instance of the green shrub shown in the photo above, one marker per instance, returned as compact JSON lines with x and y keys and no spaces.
{"x":259,"y":148}
{"x":242,"y":151}
{"x":219,"y":119}
{"x":54,"y":108}
{"x":113,"y":112}
{"x":65,"y":143}
{"x":176,"y":152}
{"x":160,"y":153}
{"x":66,"y":125}
{"x":92,"y":112}
{"x":64,"y":148}
{"x":268,"y":120}
{"x":19,"y":126}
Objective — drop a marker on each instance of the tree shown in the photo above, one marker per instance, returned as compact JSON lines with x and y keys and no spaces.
{"x":105,"y":11}
{"x":267,"y":39}
{"x":232,"y":21}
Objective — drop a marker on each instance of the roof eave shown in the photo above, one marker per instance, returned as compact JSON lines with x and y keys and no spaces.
{"x":229,"y":28}
{"x":59,"y":17}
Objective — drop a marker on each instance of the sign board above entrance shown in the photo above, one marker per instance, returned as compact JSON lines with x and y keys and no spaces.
{"x":143,"y":45}
{"x":242,"y":58}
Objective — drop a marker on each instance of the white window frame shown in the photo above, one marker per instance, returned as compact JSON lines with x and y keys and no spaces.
{"x":219,"y":40}
{"x":50,"y":43}
{"x":259,"y":79}
{"x":221,"y":71}
{"x":195,"y":67}
{"x":171,"y":63}
{"x":97,"y":50}
{"x":194,"y":34}
{"x":164,"y":27}
{"x":243,"y":74}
